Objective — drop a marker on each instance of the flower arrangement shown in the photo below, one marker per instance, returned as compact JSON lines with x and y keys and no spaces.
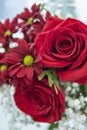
{"x":51,"y":54}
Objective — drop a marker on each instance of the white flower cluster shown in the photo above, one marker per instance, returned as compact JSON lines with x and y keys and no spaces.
{"x":75,"y":117}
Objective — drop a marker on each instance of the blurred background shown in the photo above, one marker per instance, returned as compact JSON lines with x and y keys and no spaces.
{"x":9,"y":8}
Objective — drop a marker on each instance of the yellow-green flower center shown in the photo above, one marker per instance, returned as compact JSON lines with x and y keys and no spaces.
{"x":29,"y":21}
{"x":3,"y":67}
{"x":28,"y":60}
{"x":7,"y":33}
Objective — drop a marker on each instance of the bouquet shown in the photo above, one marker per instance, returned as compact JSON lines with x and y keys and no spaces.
{"x":51,"y":53}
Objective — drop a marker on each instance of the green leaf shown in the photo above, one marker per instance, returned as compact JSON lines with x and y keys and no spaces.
{"x":85,"y":88}
{"x":51,"y":81}
{"x":52,"y":78}
{"x":41,"y":76}
{"x":53,"y":126}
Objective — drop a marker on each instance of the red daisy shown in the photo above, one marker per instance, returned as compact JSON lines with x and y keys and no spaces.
{"x":6,"y":31}
{"x":32,"y":22}
{"x":23,"y":61}
{"x":27,"y":16}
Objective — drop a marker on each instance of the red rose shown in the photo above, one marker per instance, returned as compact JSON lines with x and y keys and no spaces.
{"x":40,"y":101}
{"x":63,"y":45}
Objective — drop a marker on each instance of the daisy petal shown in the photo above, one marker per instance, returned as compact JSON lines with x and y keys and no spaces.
{"x":29,"y":72}
{"x":21,"y":72}
{"x":13,"y":70}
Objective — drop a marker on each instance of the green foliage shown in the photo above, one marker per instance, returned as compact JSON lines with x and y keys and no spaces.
{"x":84,"y":89}
{"x":53,"y":126}
{"x":52,"y":78}
{"x":42,"y":6}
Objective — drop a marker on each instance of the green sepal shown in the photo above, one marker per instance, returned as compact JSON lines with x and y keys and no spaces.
{"x":52,"y":78}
